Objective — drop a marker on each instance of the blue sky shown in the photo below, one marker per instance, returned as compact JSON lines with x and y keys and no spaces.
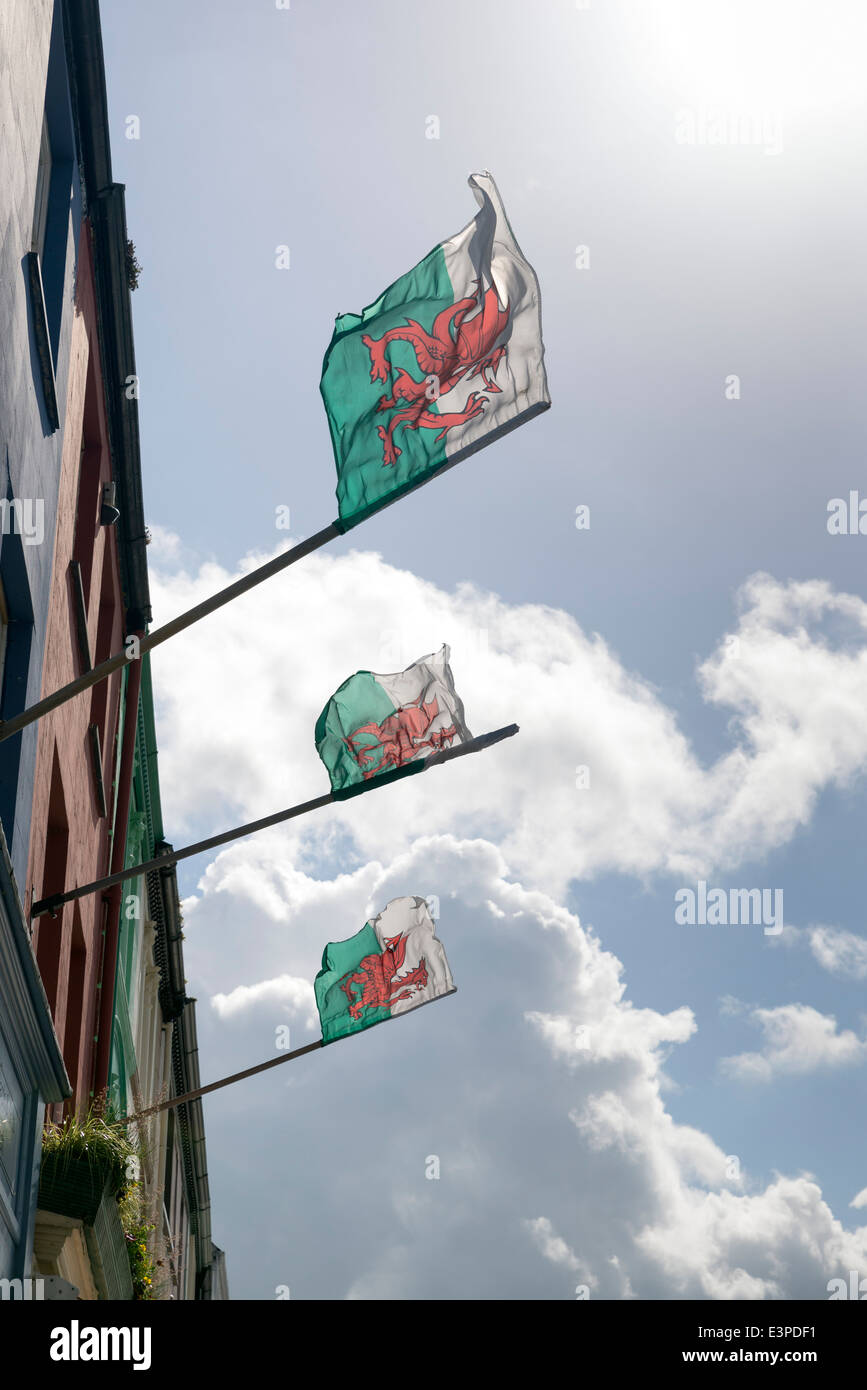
{"x":733,"y":251}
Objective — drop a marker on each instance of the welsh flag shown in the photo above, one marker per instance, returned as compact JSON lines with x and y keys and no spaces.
{"x":394,"y":964}
{"x":385,"y":727}
{"x":446,"y":360}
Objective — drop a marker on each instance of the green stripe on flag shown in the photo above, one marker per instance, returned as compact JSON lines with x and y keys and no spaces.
{"x":360,"y":700}
{"x":350,"y":397}
{"x":340,"y":959}
{"x":344,"y":793}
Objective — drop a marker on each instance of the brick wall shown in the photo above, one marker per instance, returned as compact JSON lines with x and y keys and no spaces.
{"x":69,"y":947}
{"x":30,"y":454}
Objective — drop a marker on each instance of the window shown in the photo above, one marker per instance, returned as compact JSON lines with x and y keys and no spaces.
{"x":90,"y":479}
{"x":49,"y":929}
{"x":76,"y":980}
{"x":4,"y":626}
{"x":43,"y":185}
{"x":16,"y":634}
{"x":11,"y":1116}
{"x":56,"y":211}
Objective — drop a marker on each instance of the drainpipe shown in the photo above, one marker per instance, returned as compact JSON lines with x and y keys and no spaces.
{"x":162,"y":1218}
{"x":114,"y":895}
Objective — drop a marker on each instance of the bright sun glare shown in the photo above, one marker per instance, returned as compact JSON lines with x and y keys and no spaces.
{"x":785,"y":55}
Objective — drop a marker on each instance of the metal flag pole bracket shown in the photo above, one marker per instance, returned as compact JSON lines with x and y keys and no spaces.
{"x":147,"y":641}
{"x":56,"y":900}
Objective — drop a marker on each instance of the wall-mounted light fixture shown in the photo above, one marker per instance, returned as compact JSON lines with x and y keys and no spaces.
{"x":108,"y":512}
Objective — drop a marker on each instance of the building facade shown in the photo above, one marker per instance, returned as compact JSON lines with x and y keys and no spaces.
{"x":92,"y":999}
{"x":154,"y":1053}
{"x":41,"y":201}
{"x":78,"y":783}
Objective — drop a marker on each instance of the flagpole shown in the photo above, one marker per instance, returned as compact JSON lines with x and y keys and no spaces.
{"x":163,"y":861}
{"x":444,"y":755}
{"x":146,"y":643}
{"x":218,"y":1085}
{"x":149,"y":640}
{"x":250,"y":1071}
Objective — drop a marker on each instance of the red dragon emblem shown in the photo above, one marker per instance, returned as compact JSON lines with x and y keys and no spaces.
{"x":398,"y":738}
{"x":376,"y":975}
{"x":458,"y":347}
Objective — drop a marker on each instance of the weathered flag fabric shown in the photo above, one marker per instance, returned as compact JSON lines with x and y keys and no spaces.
{"x":447,"y":360}
{"x":385,"y":727}
{"x":394,"y":964}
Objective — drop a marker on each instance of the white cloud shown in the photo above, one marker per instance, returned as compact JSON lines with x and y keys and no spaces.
{"x":295,"y":995}
{"x":798,"y":1040}
{"x":544,"y":1063}
{"x":552,"y":1246}
{"x":860,"y":1199}
{"x":840,"y":952}
{"x":271,"y":659}
{"x":730,"y":1007}
{"x":652,"y":1205}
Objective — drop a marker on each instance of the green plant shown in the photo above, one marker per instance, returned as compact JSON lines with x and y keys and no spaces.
{"x":98,"y":1139}
{"x":137,"y":1233}
{"x":133,"y":269}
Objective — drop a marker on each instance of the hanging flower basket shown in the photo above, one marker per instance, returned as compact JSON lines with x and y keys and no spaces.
{"x":72,"y":1186}
{"x":82,"y":1160}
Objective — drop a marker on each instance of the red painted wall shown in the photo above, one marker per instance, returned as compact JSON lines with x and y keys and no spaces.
{"x":70,"y":839}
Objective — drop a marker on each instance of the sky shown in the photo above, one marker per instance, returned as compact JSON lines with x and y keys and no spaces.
{"x":620,"y":1104}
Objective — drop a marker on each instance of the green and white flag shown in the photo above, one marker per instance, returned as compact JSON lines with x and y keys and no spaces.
{"x":385,"y":727}
{"x":394,"y":964}
{"x":446,"y":360}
